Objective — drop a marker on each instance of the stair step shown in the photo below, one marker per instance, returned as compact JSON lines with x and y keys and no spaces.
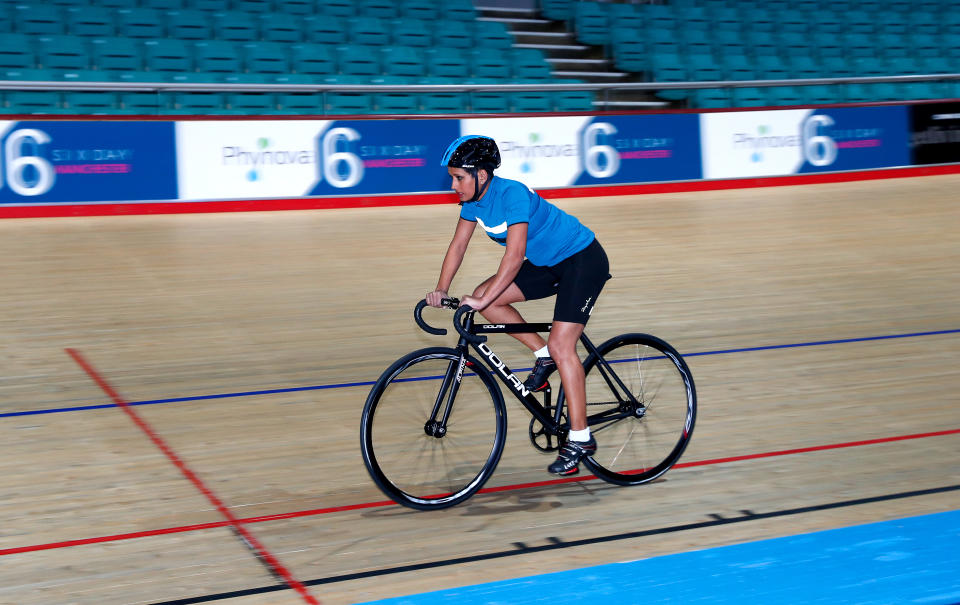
{"x":630,"y":103}
{"x":577,"y":61}
{"x":549,"y":47}
{"x":607,"y":75}
{"x":506,"y":9}
{"x":537,"y":34}
{"x":516,"y":20}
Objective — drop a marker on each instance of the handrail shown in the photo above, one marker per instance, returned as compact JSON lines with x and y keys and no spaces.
{"x":250,"y":87}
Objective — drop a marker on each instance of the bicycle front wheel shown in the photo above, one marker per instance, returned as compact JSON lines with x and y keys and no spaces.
{"x":423,"y":449}
{"x":641,"y":406}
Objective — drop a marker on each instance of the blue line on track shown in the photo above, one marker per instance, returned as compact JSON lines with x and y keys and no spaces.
{"x":367,"y":383}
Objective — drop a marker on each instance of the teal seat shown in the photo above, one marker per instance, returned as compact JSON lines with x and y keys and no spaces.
{"x":631,"y":55}
{"x":459,"y":10}
{"x":356,"y":60}
{"x":386,"y":9}
{"x":279,"y":27}
{"x":412,"y":32}
{"x":141,"y":23}
{"x":289,"y":78}
{"x":36,"y":75}
{"x":670,"y":68}
{"x":252,"y":103}
{"x":217,"y":56}
{"x":784,"y":96}
{"x":300,"y":103}
{"x":189,"y":25}
{"x":403,"y":61}
{"x":37,"y":19}
{"x":116,"y":54}
{"x":299,"y":8}
{"x":167,"y":55}
{"x":591,"y":23}
{"x":449,"y":34}
{"x":243,"y":78}
{"x":443,"y":102}
{"x":84,"y":75}
{"x":772,"y":67}
{"x":349,"y":103}
{"x":62,"y":52}
{"x":396,"y":103}
{"x":557,"y":10}
{"x":91,"y":102}
{"x":573,"y":100}
{"x":313,"y":59}
{"x":805,"y":66}
{"x":704,"y":68}
{"x":821,"y":94}
{"x":444,"y":64}
{"x":325,"y":30}
{"x":726,"y":19}
{"x":236,"y":27}
{"x":532,"y":101}
{"x":426,"y":10}
{"x":738,"y":67}
{"x":266,"y":57}
{"x":749,"y":97}
{"x":143,"y":103}
{"x":213,"y":6}
{"x":33,"y":102}
{"x":337,"y":8}
{"x":484,"y":64}
{"x":711,"y":98}
{"x":163,"y":5}
{"x":90,"y":21}
{"x":530,"y":63}
{"x":492,"y":35}
{"x":368,"y":31}
{"x":191,"y":103}
{"x":925,"y":22}
{"x":253,"y":7}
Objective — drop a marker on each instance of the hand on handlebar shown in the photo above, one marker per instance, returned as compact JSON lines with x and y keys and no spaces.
{"x":435,"y":298}
{"x":473,"y":302}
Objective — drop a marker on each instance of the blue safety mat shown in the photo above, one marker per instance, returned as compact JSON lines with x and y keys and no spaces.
{"x":912,"y":560}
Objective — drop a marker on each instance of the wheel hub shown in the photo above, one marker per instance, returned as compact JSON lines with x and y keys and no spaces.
{"x":434,"y":429}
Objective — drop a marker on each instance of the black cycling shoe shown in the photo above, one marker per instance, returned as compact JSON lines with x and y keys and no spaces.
{"x":568,"y":461}
{"x":537,"y":380}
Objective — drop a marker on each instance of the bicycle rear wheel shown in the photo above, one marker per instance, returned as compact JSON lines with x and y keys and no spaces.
{"x":644,"y":420}
{"x":414,"y":456}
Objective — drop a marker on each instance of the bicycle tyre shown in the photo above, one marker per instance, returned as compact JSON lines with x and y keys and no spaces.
{"x":637,"y":445}
{"x":414,"y":468}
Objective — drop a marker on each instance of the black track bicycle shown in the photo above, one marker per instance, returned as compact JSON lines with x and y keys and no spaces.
{"x":434,"y":424}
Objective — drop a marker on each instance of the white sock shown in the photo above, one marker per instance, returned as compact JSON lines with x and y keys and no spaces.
{"x":580,"y":436}
{"x":544,"y":352}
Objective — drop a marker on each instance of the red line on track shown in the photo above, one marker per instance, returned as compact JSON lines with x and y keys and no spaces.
{"x":232,"y":522}
{"x":489,"y":490}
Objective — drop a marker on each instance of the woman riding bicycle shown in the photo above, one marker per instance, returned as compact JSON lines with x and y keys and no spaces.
{"x":548,"y":252}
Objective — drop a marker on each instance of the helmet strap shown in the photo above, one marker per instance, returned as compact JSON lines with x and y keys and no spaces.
{"x":477,"y":192}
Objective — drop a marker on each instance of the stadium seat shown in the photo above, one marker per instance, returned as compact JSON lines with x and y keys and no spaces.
{"x":369,"y":31}
{"x":253,"y":7}
{"x":592,"y":23}
{"x":749,"y":97}
{"x":325,"y":30}
{"x":337,"y":8}
{"x":298,"y":8}
{"x":395,"y":102}
{"x":711,"y":98}
{"x":356,"y":60}
{"x":348,"y":103}
{"x":164,"y":5}
{"x":116,"y":54}
{"x":300,"y":103}
{"x":528,"y":101}
{"x":16,"y":52}
{"x":446,"y":64}
{"x":558,"y":10}
{"x":38,"y":19}
{"x":573,"y":100}
{"x":217,"y":56}
{"x":236,"y":27}
{"x":492,"y":35}
{"x":404,"y":61}
{"x":313,"y":59}
{"x":37,"y":75}
{"x":90,"y":21}
{"x":212,"y":6}
{"x":251,"y":103}
{"x":33,"y":102}
{"x":785,"y":96}
{"x":62,"y":52}
{"x":266,"y":57}
{"x":412,"y":32}
{"x":197,"y":103}
{"x":738,"y":67}
{"x":386,"y":9}
{"x":91,"y":102}
{"x":143,"y":103}
{"x":452,"y":34}
{"x":278,"y":27}
{"x":484,"y":64}
{"x":167,"y":55}
{"x":443,"y":101}
{"x":141,"y":23}
{"x":190,"y":24}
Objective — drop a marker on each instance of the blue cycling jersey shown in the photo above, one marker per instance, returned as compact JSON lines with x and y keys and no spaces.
{"x":552,"y":234}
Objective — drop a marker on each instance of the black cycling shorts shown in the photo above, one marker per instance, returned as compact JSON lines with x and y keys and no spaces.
{"x":576,"y":280}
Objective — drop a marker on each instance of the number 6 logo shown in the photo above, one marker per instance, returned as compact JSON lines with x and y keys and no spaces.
{"x":17,"y":163}
{"x":593,"y":152}
{"x":818,"y":149}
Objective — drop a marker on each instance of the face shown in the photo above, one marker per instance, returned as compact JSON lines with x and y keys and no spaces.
{"x":463,"y":182}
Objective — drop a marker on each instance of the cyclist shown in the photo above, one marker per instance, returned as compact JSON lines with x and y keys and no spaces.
{"x":548,"y":252}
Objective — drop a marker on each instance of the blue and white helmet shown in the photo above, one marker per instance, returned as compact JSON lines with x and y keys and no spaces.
{"x":472,"y":152}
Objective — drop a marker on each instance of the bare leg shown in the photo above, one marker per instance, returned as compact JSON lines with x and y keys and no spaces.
{"x":500,"y":311}
{"x":563,"y":348}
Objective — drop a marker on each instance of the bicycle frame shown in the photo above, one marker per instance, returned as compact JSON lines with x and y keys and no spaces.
{"x":540,"y":411}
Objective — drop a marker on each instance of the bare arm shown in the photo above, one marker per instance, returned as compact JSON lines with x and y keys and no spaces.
{"x":509,"y":267}
{"x":452,"y":261}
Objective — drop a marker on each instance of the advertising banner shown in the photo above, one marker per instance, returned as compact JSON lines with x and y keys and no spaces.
{"x":795,"y":141}
{"x":285,"y":159}
{"x":935,"y":133}
{"x":555,"y":152}
{"x":48,"y":161}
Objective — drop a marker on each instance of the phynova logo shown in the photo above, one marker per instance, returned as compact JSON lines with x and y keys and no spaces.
{"x":763,"y":139}
{"x":263,"y":155}
{"x":534,"y":148}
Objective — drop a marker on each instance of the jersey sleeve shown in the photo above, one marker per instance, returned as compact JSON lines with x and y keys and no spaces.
{"x":468,"y":213}
{"x":518,"y":204}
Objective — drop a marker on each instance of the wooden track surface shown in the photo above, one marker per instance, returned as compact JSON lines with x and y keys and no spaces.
{"x":190,"y":307}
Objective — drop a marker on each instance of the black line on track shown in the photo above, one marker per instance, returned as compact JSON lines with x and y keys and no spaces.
{"x":556,"y":544}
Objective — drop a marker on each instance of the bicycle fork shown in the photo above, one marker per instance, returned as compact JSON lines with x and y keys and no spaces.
{"x":435,"y":427}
